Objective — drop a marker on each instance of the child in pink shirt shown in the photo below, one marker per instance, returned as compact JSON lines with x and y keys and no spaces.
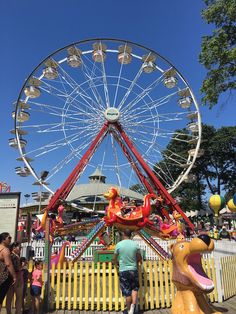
{"x":36,"y":286}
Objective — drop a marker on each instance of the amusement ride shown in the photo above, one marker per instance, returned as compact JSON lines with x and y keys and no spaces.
{"x":116,"y":105}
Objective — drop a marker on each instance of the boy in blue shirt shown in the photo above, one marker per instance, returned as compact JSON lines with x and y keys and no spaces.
{"x":127,"y":254}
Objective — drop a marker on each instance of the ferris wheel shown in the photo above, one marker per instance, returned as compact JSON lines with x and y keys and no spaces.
{"x":69,"y":97}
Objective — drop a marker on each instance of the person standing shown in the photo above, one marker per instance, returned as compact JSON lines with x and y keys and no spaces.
{"x":25,"y":273}
{"x":17,"y":288}
{"x":224,"y":234}
{"x":7,"y":272}
{"x":127,"y":254}
{"x":36,"y":286}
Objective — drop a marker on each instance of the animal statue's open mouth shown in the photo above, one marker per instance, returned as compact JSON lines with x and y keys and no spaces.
{"x":195,"y":267}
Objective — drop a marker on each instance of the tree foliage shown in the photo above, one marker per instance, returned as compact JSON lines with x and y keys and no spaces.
{"x":218,"y":51}
{"x":138,"y":188}
{"x":214,"y":172}
{"x":218,"y":164}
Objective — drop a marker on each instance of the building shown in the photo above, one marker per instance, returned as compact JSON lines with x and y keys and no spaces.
{"x":91,"y":194}
{"x":87,"y":198}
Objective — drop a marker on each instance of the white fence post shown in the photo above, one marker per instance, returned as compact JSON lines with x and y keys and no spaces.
{"x":220,"y":292}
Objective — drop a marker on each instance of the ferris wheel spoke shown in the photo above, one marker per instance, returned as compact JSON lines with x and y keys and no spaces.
{"x":72,"y":102}
{"x":164,"y":169}
{"x":104,"y":77}
{"x":62,"y":163}
{"x":149,"y":130}
{"x":157,"y":150}
{"x":66,"y":85}
{"x":144,"y":93}
{"x":57,"y":127}
{"x":79,"y":89}
{"x":164,"y":178}
{"x":49,"y":147}
{"x":53,"y":90}
{"x":69,"y":80}
{"x":153,"y":105}
{"x":89,"y":74}
{"x":145,"y":119}
{"x":117,"y":168}
{"x":46,"y":108}
{"x":68,"y":158}
{"x":177,"y":136}
{"x":133,"y":83}
{"x":75,"y":86}
{"x":64,"y":97}
{"x":118,"y":83}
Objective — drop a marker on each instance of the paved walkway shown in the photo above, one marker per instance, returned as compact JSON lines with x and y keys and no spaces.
{"x":227,"y":307}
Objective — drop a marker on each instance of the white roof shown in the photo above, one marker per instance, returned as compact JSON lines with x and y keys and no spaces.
{"x":83,"y":191}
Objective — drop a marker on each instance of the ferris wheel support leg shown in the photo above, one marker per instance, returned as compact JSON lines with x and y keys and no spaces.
{"x":67,"y":186}
{"x":140,"y":175}
{"x":164,"y":193}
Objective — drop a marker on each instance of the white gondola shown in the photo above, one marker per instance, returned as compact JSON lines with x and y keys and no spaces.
{"x":185,"y":165}
{"x":200,"y":152}
{"x":19,"y":131}
{"x":149,"y":67}
{"x":22,"y":116}
{"x":192,"y":115}
{"x":190,"y":178}
{"x":99,"y":52}
{"x":74,"y":57}
{"x":21,"y":105}
{"x":193,"y":127}
{"x":32,"y":92}
{"x":170,"y":80}
{"x":50,"y":73}
{"x":22,"y":171}
{"x":124,"y":55}
{"x":13,"y":143}
{"x":185,"y":102}
{"x":149,"y":63}
{"x":74,"y":61}
{"x":25,"y":157}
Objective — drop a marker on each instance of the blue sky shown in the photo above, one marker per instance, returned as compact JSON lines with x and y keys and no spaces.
{"x":31,"y":30}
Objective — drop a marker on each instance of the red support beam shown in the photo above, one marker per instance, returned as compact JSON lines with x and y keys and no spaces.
{"x":164,"y":193}
{"x":68,"y":185}
{"x":140,"y":175}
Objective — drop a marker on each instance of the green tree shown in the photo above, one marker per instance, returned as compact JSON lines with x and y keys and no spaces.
{"x":215,"y":171}
{"x":218,"y":164}
{"x":139,"y":188}
{"x":218,"y":51}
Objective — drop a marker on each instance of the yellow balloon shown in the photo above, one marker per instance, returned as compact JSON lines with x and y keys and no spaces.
{"x":231,"y":205}
{"x":216,"y":202}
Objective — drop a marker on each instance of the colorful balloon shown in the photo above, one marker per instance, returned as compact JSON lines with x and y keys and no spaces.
{"x":234,"y":199}
{"x":231,"y":205}
{"x":216,"y":203}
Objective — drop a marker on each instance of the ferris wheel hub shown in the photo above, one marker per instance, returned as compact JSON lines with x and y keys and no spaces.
{"x":112,"y":114}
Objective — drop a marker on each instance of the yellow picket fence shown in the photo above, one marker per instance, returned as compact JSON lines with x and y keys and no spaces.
{"x":90,"y":286}
{"x":228,"y":275}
